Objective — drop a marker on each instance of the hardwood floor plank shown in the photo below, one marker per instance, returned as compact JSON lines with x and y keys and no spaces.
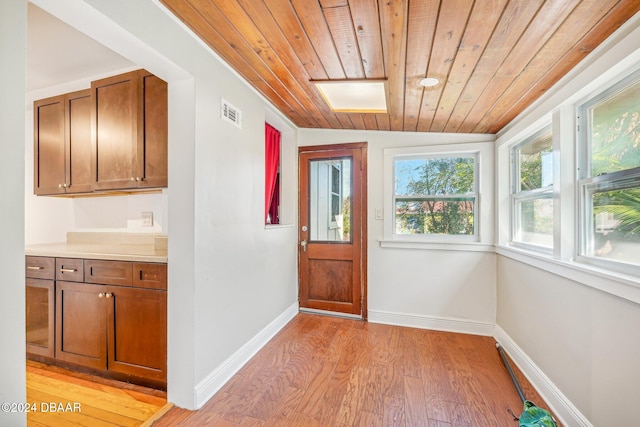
{"x":393,"y":412}
{"x":67,"y":392}
{"x":145,"y":394}
{"x":100,"y":415}
{"x":367,"y":419}
{"x":415,"y":402}
{"x":64,"y":398}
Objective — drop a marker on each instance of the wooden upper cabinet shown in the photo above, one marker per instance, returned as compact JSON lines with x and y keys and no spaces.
{"x":130,"y":131}
{"x":48,"y":147}
{"x":78,"y":108}
{"x":62,"y":144}
{"x":154,"y":143}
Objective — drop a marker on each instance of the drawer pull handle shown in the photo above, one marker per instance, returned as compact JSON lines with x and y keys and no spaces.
{"x":68,"y":270}
{"x":36,"y":267}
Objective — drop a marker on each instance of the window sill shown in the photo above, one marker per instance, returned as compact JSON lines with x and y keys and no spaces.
{"x":618,"y":284}
{"x":278,"y":226}
{"x":437,"y":246}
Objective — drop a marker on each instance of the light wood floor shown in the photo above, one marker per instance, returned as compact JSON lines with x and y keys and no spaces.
{"x":325,"y":371}
{"x":60,"y":398}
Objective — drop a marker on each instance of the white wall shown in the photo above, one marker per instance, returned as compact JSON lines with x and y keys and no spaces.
{"x":441,"y":286}
{"x":13,"y":41}
{"x":584,"y":340}
{"x":577,"y":325}
{"x":229,"y":275}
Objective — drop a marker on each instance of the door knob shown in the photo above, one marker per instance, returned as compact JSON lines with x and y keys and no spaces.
{"x":304,"y":245}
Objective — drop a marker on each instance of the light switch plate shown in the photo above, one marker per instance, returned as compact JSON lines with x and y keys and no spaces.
{"x":147,"y":219}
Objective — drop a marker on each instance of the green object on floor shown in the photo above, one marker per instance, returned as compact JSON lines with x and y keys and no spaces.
{"x":534,"y":416}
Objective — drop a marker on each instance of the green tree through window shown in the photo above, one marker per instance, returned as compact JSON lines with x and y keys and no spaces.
{"x":435,"y":196}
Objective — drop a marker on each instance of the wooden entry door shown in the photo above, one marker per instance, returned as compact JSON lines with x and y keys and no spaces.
{"x":332,"y":228}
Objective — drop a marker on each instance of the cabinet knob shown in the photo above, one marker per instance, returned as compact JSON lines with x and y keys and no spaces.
{"x":108,"y":295}
{"x":101,"y":295}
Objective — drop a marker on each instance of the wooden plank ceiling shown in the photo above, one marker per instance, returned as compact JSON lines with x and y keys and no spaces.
{"x":493,"y":57}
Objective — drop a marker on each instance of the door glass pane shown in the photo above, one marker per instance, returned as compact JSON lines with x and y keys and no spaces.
{"x":330,"y":200}
{"x":37,"y":319}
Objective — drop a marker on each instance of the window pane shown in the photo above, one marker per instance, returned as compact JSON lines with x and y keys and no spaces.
{"x":615,"y":132}
{"x":616,"y":225}
{"x":534,"y":219}
{"x":536,"y":164}
{"x":434,"y":176}
{"x":435,"y":216}
{"x":330,"y":200}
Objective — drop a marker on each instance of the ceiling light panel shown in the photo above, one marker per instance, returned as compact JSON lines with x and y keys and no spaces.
{"x":354,"y":96}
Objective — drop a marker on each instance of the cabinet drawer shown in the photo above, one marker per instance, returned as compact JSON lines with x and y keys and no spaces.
{"x":108,"y":272}
{"x":152,"y":276}
{"x":69,"y":269}
{"x":38,"y":267}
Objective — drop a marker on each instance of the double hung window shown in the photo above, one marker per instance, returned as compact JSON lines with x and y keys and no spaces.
{"x":532,"y":192}
{"x":436,"y":195}
{"x":609,"y":176}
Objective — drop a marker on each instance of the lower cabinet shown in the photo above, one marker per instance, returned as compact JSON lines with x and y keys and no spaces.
{"x":81,"y":324}
{"x":137,"y":332}
{"x":117,"y":329}
{"x":40,"y":296}
{"x":40,"y":305}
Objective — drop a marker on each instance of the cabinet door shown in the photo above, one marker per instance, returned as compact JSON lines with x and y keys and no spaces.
{"x":138,"y":332}
{"x":78,"y":108}
{"x":81,"y":324}
{"x":40,"y":331}
{"x":153,"y":147}
{"x":115,"y":132}
{"x":49,"y":146}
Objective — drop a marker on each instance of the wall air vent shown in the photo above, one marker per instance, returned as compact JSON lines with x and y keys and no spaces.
{"x":231,"y":114}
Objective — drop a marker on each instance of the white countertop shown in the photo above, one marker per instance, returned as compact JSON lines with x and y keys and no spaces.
{"x":109,"y":246}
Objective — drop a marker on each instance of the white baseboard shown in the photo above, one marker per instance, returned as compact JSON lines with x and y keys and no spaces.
{"x":435,"y":323}
{"x":213,"y":382}
{"x":558,"y":403}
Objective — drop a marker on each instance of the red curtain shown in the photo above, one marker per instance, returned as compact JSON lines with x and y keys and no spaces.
{"x":271,"y":184}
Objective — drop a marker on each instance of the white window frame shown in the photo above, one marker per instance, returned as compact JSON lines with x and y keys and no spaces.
{"x":588,"y":185}
{"x":483,"y":206}
{"x":518,"y":195}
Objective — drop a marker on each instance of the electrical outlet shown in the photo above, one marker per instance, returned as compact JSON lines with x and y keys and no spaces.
{"x":147,"y":219}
